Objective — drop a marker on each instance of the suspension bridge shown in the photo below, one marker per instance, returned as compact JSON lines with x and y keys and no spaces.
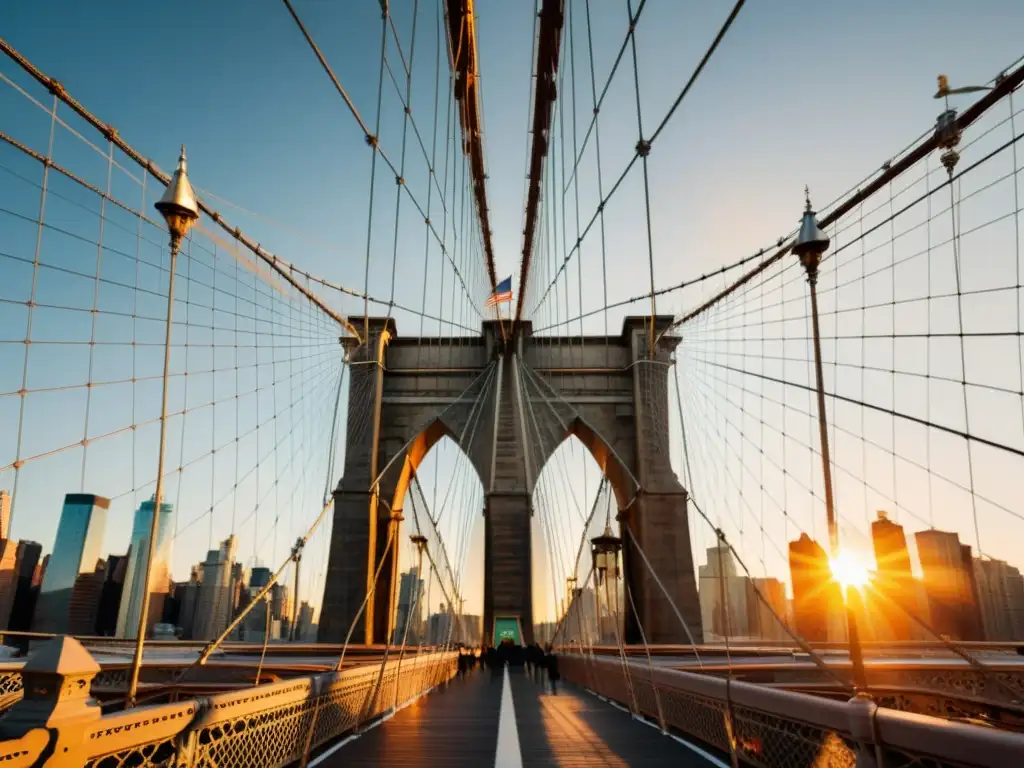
{"x":258,"y":506}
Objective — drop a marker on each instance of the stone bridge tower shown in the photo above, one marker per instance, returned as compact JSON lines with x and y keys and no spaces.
{"x":509,"y":405}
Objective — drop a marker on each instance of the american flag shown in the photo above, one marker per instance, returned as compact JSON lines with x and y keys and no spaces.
{"x":502,"y":293}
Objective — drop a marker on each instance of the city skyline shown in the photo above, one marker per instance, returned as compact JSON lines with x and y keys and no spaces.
{"x":958,"y":596}
{"x":890,"y":556}
{"x":105,"y":592}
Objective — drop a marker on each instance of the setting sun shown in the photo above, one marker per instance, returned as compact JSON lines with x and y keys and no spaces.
{"x":849,"y":571}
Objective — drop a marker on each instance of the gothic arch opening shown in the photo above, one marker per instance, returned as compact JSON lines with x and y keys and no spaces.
{"x":414,"y":456}
{"x":621,"y":480}
{"x":438,"y":594}
{"x":574,"y":499}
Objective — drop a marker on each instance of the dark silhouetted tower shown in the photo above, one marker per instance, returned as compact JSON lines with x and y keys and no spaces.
{"x":949,"y":584}
{"x":893,"y":579}
{"x":110,"y":594}
{"x":812,"y":587}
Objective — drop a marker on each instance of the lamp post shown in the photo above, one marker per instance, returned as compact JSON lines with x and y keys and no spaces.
{"x":180,"y":210}
{"x":811,"y":244}
{"x":853,"y":606}
{"x":604,"y":551}
{"x":297,"y":558}
{"x":570,"y":592}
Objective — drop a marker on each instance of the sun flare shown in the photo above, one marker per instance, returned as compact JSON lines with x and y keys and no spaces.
{"x":849,"y":571}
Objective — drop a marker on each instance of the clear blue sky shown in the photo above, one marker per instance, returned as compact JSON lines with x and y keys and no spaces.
{"x":800,"y":92}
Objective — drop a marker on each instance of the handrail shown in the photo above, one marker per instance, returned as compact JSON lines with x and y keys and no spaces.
{"x":263,"y":725}
{"x":799,"y":721}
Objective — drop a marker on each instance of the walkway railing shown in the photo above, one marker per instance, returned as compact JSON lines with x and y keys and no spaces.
{"x":161,"y":679}
{"x":260,"y":727}
{"x":782,"y":729}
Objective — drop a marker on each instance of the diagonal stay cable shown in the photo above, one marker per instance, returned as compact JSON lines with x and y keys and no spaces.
{"x":431,"y":520}
{"x":700,"y":68}
{"x":631,"y":30}
{"x":784,"y":248}
{"x":284,"y":264}
{"x":113,"y":136}
{"x":879,"y":408}
{"x":537,"y":377}
{"x":559,"y":550}
{"x":370,"y":138}
{"x":1004,"y":86}
{"x":374,"y":143}
{"x":643,"y":148}
{"x":759,"y":254}
{"x":485,"y":375}
{"x":717,"y":383}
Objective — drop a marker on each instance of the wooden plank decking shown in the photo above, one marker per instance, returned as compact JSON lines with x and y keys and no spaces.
{"x":457,"y":726}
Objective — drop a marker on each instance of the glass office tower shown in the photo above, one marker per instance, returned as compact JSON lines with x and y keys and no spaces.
{"x":83,"y":521}
{"x":135,"y":577}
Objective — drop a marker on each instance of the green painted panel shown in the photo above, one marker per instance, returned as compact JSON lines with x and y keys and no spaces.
{"x":507,"y":628}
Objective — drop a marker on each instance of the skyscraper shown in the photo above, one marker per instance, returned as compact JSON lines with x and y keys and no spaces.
{"x":580,"y":625}
{"x":254,"y":626}
{"x":5,"y":515}
{"x":80,"y":532}
{"x":83,"y":609}
{"x":40,"y":572}
{"x":894,"y":581}
{"x":110,"y":594}
{"x":281,"y":608}
{"x":469,"y":626}
{"x":714,"y":611}
{"x":762,"y":623}
{"x":949,"y":584}
{"x":189,"y":600}
{"x":259,"y":576}
{"x":8,"y":578}
{"x":812,"y":588}
{"x":304,"y":620}
{"x":237,"y":587}
{"x":410,"y":608}
{"x":271,"y":614}
{"x":440,"y":628}
{"x":214,"y":605}
{"x":8,"y":561}
{"x":25,"y":593}
{"x":973,"y":627}
{"x":135,"y":577}
{"x":1001,"y":593}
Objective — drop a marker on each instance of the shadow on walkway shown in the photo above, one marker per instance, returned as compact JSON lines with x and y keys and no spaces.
{"x":574,"y":727}
{"x":457,"y":727}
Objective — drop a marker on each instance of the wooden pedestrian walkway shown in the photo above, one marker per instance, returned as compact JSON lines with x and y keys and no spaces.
{"x":459,"y":724}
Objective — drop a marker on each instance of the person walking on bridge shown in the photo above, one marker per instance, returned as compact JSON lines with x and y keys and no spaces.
{"x":537,"y":665}
{"x":551,"y":662}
